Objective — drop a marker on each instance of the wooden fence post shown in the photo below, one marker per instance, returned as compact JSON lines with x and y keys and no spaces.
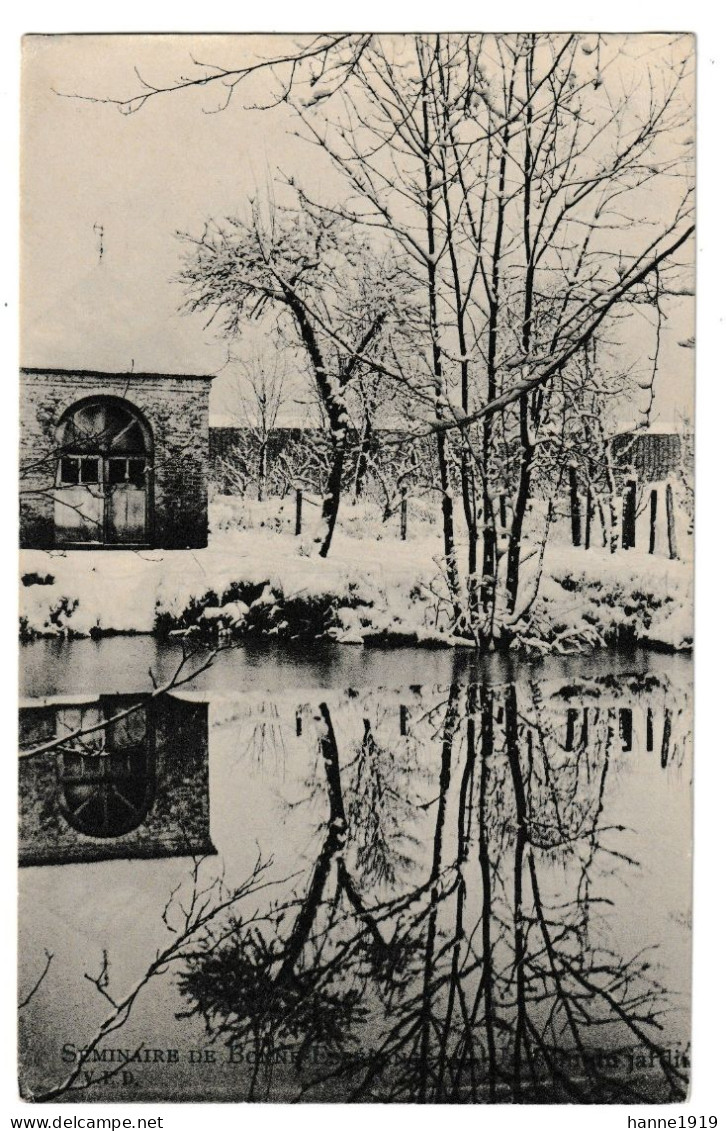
{"x":665,"y":739}
{"x":575,"y":507}
{"x":670,"y":527}
{"x":298,"y":510}
{"x":653,"y":502}
{"x":626,"y":728}
{"x":570,"y":727}
{"x":589,"y":517}
{"x":604,"y":522}
{"x":628,"y":528}
{"x":402,"y":518}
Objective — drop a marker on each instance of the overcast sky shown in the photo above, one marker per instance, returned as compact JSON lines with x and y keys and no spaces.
{"x":104,"y":194}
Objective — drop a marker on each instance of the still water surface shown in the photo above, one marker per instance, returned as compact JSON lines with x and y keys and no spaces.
{"x":354,"y":875}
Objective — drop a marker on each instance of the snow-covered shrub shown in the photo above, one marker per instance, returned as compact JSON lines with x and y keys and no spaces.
{"x":575,"y":612}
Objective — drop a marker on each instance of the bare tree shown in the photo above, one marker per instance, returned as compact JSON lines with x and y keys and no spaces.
{"x":189,"y":916}
{"x":534,"y":187}
{"x":477,"y":981}
{"x":327,"y":291}
{"x":534,"y":195}
{"x":260,"y":391}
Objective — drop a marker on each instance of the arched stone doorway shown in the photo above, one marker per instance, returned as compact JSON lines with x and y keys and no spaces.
{"x":103,"y":491}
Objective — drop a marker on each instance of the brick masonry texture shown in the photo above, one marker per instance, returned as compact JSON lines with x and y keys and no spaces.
{"x":177,"y":822}
{"x":653,"y":457}
{"x":177,"y":410}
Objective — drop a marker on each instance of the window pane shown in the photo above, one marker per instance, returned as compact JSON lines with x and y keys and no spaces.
{"x":127,"y":732}
{"x":117,"y":471}
{"x":128,"y":437}
{"x":89,"y":424}
{"x":69,"y":469}
{"x":89,"y":469}
{"x":137,"y":467}
{"x":103,"y":427}
{"x":69,"y":720}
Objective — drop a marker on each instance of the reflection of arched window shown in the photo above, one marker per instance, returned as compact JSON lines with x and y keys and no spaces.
{"x":107,"y":783}
{"x":103,"y":481}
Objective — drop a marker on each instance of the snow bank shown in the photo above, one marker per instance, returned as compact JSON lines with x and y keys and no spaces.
{"x":591,"y":598}
{"x":368,"y":590}
{"x":242,"y":577}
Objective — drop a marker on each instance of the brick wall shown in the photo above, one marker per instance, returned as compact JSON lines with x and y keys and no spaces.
{"x":177,"y":410}
{"x":651,"y":456}
{"x":177,"y":822}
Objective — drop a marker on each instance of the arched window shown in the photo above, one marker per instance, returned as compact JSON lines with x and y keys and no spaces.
{"x":108,"y":784}
{"x":103,"y":482}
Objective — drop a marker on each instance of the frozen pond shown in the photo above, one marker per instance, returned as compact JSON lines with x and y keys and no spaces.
{"x":352,"y":874}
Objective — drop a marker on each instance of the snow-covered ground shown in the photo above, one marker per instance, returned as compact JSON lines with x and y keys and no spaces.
{"x":256,"y":575}
{"x":594,"y":596}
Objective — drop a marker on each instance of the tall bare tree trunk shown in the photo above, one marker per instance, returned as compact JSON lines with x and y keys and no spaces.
{"x":520,"y":505}
{"x":489,"y":533}
{"x":527,"y":447}
{"x":262,"y":471}
{"x":332,"y":499}
{"x":362,"y":464}
{"x":443,"y":455}
{"x":337,"y":420}
{"x":468,"y":489}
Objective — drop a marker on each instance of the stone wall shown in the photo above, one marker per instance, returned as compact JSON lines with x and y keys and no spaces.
{"x":177,"y":411}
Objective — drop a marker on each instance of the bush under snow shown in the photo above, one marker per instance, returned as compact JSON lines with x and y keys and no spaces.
{"x":258,"y":582}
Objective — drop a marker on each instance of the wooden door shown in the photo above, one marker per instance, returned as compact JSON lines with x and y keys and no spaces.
{"x":126,"y":507}
{"x":79,"y":500}
{"x":101,"y":500}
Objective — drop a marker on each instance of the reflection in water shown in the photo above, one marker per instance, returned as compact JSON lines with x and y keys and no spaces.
{"x":129,"y":779}
{"x":453,"y":926}
{"x":106,"y":797}
{"x":452,"y":947}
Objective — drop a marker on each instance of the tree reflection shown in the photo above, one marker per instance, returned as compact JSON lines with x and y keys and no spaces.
{"x":453,"y":946}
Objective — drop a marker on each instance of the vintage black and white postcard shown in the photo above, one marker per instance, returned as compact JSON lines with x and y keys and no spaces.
{"x":356,"y":485}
